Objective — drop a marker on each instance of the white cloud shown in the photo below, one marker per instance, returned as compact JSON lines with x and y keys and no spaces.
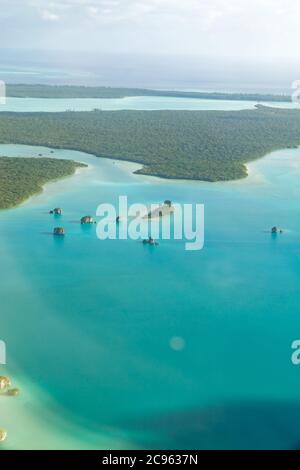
{"x":266,"y":28}
{"x":49,"y":15}
{"x":94,"y":11}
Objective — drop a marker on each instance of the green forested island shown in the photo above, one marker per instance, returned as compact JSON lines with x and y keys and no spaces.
{"x":20,"y":178}
{"x":65,"y":91}
{"x":201,"y":145}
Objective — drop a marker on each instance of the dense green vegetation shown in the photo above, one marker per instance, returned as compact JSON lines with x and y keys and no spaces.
{"x":204,"y":145}
{"x":20,"y":178}
{"x":49,"y":91}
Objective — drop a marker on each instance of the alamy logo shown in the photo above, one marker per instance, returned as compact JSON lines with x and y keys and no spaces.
{"x":296,"y":92}
{"x":2,"y":352}
{"x":295,"y":358}
{"x":2,"y":93}
{"x":150,"y":223}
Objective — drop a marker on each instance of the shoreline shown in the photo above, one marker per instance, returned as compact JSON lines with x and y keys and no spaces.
{"x":34,"y":405}
{"x":104,"y":92}
{"x":47,"y":187}
{"x":130,"y":168}
{"x":44,"y":188}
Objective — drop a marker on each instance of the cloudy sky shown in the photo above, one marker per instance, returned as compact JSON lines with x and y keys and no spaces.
{"x":216,"y":28}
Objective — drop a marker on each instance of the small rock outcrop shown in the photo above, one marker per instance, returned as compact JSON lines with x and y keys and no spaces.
{"x":87,"y":219}
{"x":5,"y":382}
{"x":276,"y":230}
{"x":56,"y":211}
{"x":60,"y":231}
{"x":3,"y":435}
{"x":168,"y":203}
{"x":149,"y":241}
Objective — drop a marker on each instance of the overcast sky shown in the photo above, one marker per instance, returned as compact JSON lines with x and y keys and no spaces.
{"x":216,"y":28}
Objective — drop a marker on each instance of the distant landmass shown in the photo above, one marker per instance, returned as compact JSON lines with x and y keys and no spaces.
{"x":50,"y":91}
{"x":20,"y":178}
{"x":198,"y":145}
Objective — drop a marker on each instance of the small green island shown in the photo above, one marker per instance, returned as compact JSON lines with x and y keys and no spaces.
{"x":21,"y":178}
{"x":195,"y":145}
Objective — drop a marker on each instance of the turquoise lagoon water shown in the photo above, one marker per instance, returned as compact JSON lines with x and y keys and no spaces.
{"x":132,"y":103}
{"x":88,"y":323}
